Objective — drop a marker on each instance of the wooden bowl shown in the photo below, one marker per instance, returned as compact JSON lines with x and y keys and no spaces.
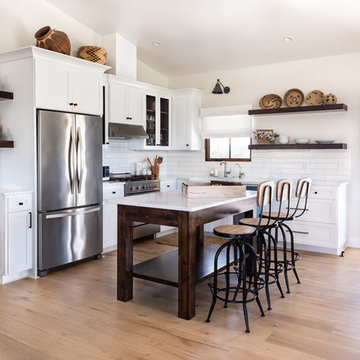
{"x":270,"y":101}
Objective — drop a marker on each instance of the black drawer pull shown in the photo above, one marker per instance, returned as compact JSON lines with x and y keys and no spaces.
{"x":30,"y":226}
{"x":114,"y":192}
{"x":75,"y":104}
{"x":21,"y":203}
{"x":71,"y":104}
{"x":315,"y":192}
{"x":292,"y":208}
{"x":167,"y":185}
{"x":299,"y":232}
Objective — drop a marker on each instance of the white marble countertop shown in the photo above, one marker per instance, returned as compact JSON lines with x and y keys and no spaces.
{"x":13,"y":191}
{"x":175,"y":200}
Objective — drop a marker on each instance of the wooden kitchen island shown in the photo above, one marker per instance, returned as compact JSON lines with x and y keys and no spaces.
{"x":193,"y":261}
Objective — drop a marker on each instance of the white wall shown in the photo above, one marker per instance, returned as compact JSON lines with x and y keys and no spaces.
{"x":20,"y":19}
{"x":147,"y":74}
{"x":337,"y":74}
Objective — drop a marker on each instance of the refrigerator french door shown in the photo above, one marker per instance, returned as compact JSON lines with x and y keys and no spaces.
{"x":69,"y":188}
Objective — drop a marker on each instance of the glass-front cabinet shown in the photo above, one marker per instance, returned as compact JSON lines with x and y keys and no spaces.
{"x":157,"y":122}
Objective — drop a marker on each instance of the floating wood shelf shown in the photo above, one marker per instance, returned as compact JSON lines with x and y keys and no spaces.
{"x":5,"y":95}
{"x":330,"y":107}
{"x":297,"y":146}
{"x":6,"y":144}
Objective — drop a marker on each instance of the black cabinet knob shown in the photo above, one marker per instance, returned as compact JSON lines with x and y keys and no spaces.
{"x":21,"y":203}
{"x":114,"y":192}
{"x":71,"y":104}
{"x":187,"y":144}
{"x":75,"y":104}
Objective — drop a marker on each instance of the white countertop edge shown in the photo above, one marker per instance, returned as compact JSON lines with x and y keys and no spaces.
{"x":169,"y":200}
{"x":13,"y":191}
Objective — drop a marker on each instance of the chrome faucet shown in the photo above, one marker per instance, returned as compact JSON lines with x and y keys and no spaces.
{"x":226,"y":171}
{"x":241,"y":174}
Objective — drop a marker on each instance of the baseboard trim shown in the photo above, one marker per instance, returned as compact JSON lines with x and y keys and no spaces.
{"x":353,"y":242}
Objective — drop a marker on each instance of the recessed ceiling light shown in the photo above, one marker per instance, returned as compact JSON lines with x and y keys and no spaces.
{"x":157,"y":43}
{"x":288,"y":38}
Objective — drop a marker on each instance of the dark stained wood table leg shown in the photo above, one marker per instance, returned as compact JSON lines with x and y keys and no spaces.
{"x":188,"y":234}
{"x":124,"y":257}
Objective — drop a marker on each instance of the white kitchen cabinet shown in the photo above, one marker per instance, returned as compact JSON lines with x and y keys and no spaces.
{"x":63,"y":86}
{"x":16,"y":235}
{"x":125,"y":103}
{"x":186,"y":121}
{"x":168,"y":185}
{"x":110,"y":191}
{"x":322,"y":228}
{"x":156,"y":120}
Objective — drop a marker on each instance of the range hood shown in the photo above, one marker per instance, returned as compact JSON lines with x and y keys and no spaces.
{"x":126,"y":131}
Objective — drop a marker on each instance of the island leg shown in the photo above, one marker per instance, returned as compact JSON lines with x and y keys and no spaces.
{"x":124,"y":257}
{"x":186,"y":266}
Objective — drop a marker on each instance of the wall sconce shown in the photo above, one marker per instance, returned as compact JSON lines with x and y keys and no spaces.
{"x":219,"y":90}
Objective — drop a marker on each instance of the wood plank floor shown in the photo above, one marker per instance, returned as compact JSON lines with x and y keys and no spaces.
{"x":73,"y":314}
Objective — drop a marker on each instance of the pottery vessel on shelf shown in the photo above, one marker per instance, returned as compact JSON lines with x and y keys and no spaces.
{"x":53,"y":40}
{"x":283,"y":139}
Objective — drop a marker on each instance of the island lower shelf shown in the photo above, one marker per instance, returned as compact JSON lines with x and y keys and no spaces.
{"x":164,"y":268}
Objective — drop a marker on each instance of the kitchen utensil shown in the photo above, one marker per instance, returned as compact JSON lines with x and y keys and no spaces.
{"x":270,"y":101}
{"x":160,"y":160}
{"x":283,"y":139}
{"x":149,"y":161}
{"x":302,"y":141}
{"x":293,"y":98}
{"x":315,"y":97}
{"x":324,"y":142}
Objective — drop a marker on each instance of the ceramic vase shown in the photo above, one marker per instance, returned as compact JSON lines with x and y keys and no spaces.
{"x":53,"y":40}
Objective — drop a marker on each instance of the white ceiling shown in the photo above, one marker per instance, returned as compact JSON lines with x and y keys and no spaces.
{"x":205,"y":35}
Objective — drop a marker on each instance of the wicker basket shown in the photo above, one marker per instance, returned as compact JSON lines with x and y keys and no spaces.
{"x":94,"y":54}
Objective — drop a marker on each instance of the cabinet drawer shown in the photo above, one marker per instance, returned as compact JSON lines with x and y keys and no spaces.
{"x":322,"y":192}
{"x":113,"y":191}
{"x":20,"y":202}
{"x":322,"y":235}
{"x":168,"y":185}
{"x":317,"y":211}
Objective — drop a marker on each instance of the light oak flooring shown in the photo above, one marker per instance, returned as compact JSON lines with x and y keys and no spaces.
{"x":73,"y":314}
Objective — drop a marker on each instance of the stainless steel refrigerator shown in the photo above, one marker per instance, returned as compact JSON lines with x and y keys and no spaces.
{"x":69,"y":162}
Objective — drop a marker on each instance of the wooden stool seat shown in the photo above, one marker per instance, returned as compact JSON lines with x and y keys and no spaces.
{"x":233,"y":230}
{"x":276,"y":215}
{"x":256,"y":222}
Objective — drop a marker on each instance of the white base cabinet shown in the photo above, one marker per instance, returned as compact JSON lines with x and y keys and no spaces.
{"x":16,"y":235}
{"x":110,"y":191}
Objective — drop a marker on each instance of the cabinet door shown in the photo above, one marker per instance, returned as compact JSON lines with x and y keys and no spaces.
{"x":117,"y":103}
{"x":109,"y":224}
{"x":180,"y":140}
{"x":86,"y":92}
{"x":164,"y":122}
{"x":52,"y":85}
{"x":134,"y":109}
{"x":151,"y":123}
{"x":19,"y":241}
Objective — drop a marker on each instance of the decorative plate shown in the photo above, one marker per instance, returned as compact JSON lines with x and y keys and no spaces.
{"x":270,"y":101}
{"x":324,"y":142}
{"x":330,"y":99}
{"x":315,"y":97}
{"x":293,"y":98}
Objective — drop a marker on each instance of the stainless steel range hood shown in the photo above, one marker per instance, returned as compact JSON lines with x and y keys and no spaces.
{"x":126,"y":131}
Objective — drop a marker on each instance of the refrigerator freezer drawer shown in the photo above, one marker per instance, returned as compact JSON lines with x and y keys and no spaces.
{"x":68,"y":236}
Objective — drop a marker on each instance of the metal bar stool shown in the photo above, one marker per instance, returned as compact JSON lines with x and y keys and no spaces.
{"x":302,"y":194}
{"x":241,"y":273}
{"x":272,"y":266}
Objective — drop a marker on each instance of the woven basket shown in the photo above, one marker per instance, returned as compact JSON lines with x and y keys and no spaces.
{"x":94,"y":54}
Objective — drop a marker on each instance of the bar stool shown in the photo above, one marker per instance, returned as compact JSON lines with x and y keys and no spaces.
{"x":244,"y":278}
{"x":273,"y":266}
{"x":302,"y":194}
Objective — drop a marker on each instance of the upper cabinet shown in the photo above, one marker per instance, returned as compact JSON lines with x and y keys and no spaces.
{"x":186,"y":121}
{"x":124,"y":103}
{"x":68,"y":85}
{"x":156,"y":120}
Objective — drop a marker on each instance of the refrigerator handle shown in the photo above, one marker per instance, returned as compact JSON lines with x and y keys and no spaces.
{"x":79,"y":159}
{"x":71,"y":161}
{"x":73,"y":213}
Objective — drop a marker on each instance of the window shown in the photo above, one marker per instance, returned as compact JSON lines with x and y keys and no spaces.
{"x":229,"y":149}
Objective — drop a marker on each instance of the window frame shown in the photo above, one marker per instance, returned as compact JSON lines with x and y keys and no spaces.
{"x":208,"y":158}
